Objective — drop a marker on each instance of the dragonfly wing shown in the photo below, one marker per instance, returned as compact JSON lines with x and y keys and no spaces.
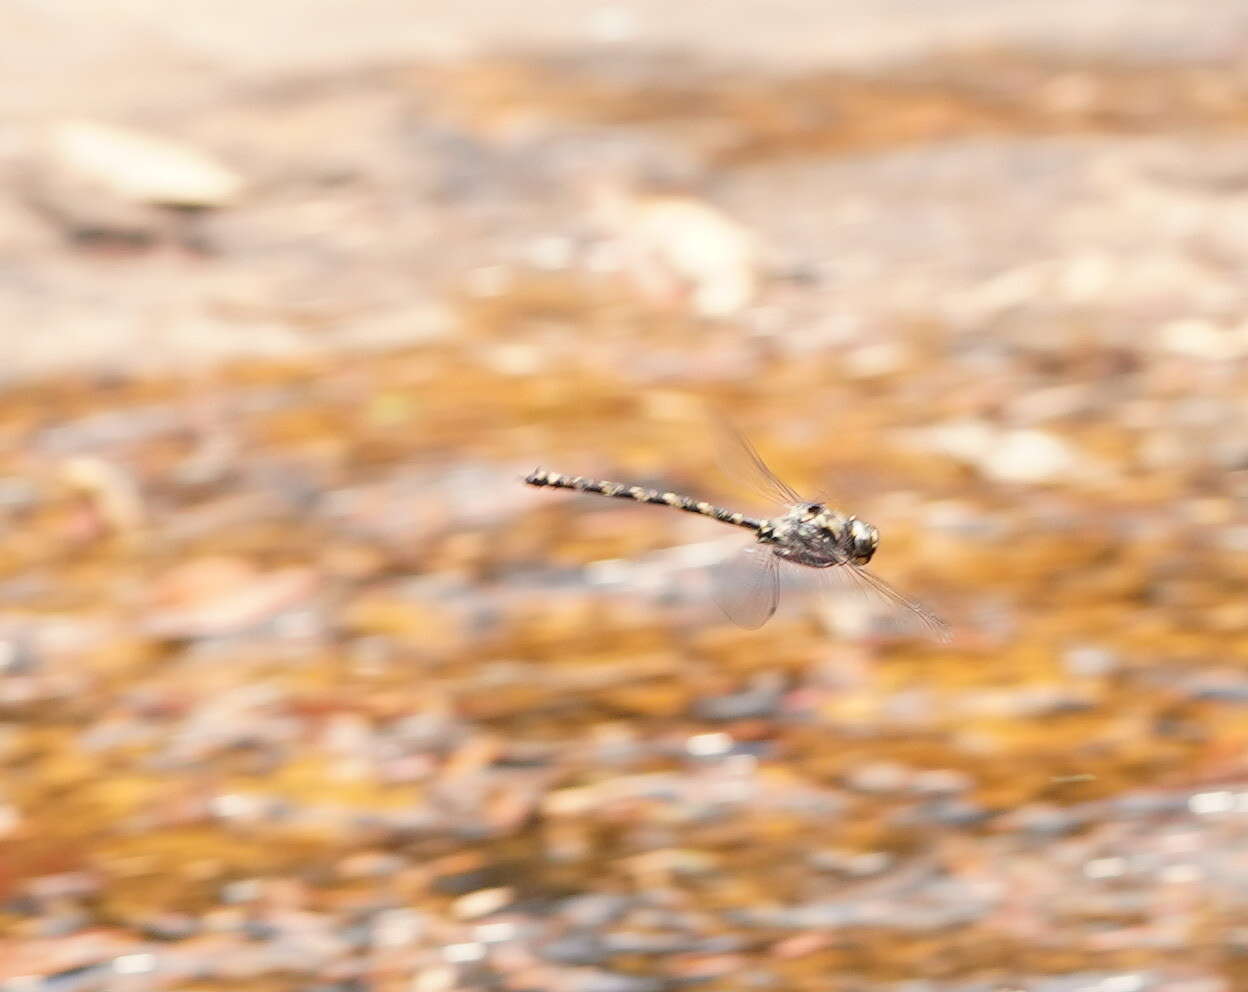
{"x":747,"y":587}
{"x":741,"y":462}
{"x":882,"y":605}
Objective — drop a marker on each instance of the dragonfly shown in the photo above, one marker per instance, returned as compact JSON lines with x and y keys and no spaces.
{"x":807,"y":539}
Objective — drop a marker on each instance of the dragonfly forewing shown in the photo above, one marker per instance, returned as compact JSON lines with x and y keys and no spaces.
{"x":741,"y":463}
{"x":882,"y":607}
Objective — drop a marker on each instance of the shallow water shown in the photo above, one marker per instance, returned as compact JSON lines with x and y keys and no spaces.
{"x":303,"y":688}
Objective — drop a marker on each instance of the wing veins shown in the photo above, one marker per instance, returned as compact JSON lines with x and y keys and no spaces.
{"x":755,"y":472}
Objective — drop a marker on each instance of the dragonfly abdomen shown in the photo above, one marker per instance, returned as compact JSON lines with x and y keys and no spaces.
{"x":540,"y":477}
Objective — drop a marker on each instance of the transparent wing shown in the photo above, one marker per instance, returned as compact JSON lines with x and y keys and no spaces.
{"x":740,"y":462}
{"x":933,"y":625}
{"x":873,"y":605}
{"x":747,"y":587}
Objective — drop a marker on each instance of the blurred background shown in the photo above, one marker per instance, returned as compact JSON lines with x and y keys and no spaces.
{"x":302,"y":689}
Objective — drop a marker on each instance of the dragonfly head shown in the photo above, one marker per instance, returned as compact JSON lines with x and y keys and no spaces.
{"x":863,"y":540}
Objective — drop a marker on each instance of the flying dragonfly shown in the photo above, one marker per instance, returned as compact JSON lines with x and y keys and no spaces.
{"x":808,"y":540}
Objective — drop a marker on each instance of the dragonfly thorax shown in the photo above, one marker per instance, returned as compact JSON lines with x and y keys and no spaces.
{"x":817,"y":536}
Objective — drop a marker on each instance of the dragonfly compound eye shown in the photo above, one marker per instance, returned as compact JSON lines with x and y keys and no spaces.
{"x":863,"y":540}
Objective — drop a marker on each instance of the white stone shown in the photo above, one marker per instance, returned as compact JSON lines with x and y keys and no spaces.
{"x":143,"y":167}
